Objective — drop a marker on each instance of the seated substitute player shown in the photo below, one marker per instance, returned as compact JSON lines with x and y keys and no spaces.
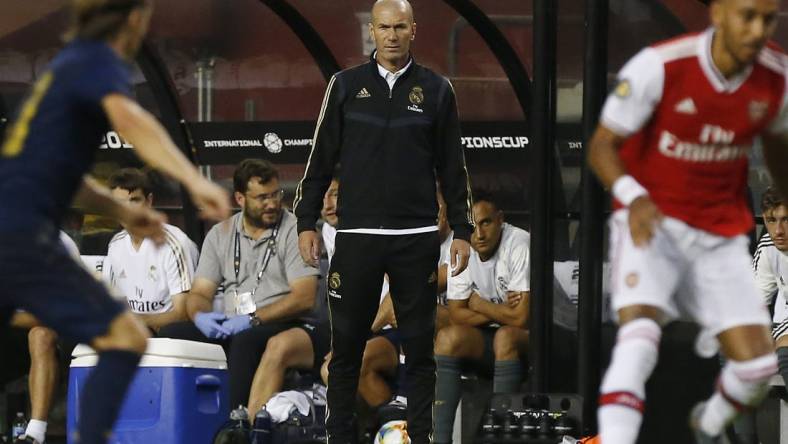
{"x":380,"y":364}
{"x":47,"y":355}
{"x":672,"y":145}
{"x":267,"y":286}
{"x":771,"y":269}
{"x":488,"y":305}
{"x":153,"y":280}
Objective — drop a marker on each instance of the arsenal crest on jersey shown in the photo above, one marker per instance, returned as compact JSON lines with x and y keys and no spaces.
{"x":757,"y":110}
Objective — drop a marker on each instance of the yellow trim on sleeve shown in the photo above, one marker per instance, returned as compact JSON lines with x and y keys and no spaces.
{"x":19,"y":131}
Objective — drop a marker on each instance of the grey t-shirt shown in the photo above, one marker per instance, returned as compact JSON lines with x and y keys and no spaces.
{"x":286,"y":265}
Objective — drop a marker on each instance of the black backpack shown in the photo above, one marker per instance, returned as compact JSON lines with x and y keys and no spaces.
{"x":300,"y":429}
{"x":232,"y":432}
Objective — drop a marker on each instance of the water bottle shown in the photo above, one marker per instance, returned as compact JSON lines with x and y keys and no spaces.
{"x":564,"y":425}
{"x":261,"y":431}
{"x":529,"y":426}
{"x":241,"y":418}
{"x":510,"y":426}
{"x":490,"y":425}
{"x":19,"y":425}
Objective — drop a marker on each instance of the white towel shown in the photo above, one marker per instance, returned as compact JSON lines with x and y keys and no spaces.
{"x":318,"y":394}
{"x":281,"y":404}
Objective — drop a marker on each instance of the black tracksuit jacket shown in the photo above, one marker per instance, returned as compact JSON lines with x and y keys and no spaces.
{"x":391,"y":146}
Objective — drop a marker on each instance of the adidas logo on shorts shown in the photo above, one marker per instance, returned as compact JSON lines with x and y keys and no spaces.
{"x":363,"y":94}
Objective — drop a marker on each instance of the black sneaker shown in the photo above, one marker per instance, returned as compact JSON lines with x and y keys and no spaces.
{"x":24,"y":439}
{"x":700,"y":436}
{"x":395,"y":410}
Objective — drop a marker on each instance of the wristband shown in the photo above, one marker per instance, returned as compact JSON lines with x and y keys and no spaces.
{"x":626,"y":189}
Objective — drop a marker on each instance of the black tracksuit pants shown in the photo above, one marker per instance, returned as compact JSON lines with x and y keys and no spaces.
{"x":354,"y":284}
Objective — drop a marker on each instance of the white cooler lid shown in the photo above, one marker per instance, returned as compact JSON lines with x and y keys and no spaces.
{"x":165,"y":352}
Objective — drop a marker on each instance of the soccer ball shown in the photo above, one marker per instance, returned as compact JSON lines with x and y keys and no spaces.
{"x":272,"y":142}
{"x":393,"y":432}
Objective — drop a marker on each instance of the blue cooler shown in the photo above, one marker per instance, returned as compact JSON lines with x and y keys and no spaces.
{"x":179,"y":394}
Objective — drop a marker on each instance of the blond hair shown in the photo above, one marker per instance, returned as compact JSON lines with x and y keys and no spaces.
{"x":100,"y":19}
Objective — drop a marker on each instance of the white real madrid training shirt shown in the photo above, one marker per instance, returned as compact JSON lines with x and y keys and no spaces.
{"x":508,"y":270}
{"x":150,"y":276}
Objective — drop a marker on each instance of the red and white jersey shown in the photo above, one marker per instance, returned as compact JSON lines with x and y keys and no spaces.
{"x":690,"y":129}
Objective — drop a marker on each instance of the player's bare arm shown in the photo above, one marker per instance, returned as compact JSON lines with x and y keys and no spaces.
{"x":513,"y":298}
{"x":775,"y":155}
{"x":461,"y":314}
{"x":139,"y":220}
{"x":443,"y":276}
{"x":177,"y":314}
{"x":23,"y":319}
{"x":605,"y":162}
{"x":505,"y":314}
{"x":154,"y":146}
{"x":200,"y":297}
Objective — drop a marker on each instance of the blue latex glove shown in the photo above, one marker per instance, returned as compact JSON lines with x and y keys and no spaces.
{"x":210,"y":324}
{"x":237,"y":324}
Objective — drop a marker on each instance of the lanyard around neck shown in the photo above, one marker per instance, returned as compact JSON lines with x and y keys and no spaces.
{"x":270,"y":250}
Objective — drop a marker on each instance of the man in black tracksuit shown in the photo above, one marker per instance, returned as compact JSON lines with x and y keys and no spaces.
{"x":392,"y":126}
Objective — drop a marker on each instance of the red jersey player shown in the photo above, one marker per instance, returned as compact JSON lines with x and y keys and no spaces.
{"x":672,"y":146}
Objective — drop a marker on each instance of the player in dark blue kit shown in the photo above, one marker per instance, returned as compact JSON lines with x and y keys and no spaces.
{"x":43,"y":164}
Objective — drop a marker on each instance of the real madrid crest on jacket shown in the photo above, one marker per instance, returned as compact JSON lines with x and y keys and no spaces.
{"x":390,"y":134}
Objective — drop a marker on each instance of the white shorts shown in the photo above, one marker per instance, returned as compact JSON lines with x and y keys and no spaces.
{"x":687,"y":273}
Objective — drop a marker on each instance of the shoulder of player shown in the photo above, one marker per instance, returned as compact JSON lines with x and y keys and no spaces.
{"x":176,"y":233}
{"x":84,"y":60}
{"x":764,"y":250}
{"x":516,"y":235}
{"x":117,"y":238}
{"x":176,"y":238}
{"x":765,"y":240}
{"x":773,"y":58}
{"x":680,"y":47}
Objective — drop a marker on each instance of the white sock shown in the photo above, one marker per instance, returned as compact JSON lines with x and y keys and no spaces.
{"x":716,"y":415}
{"x":623,"y":388}
{"x":37,"y":430}
{"x":619,"y":424}
{"x":741,"y":385}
